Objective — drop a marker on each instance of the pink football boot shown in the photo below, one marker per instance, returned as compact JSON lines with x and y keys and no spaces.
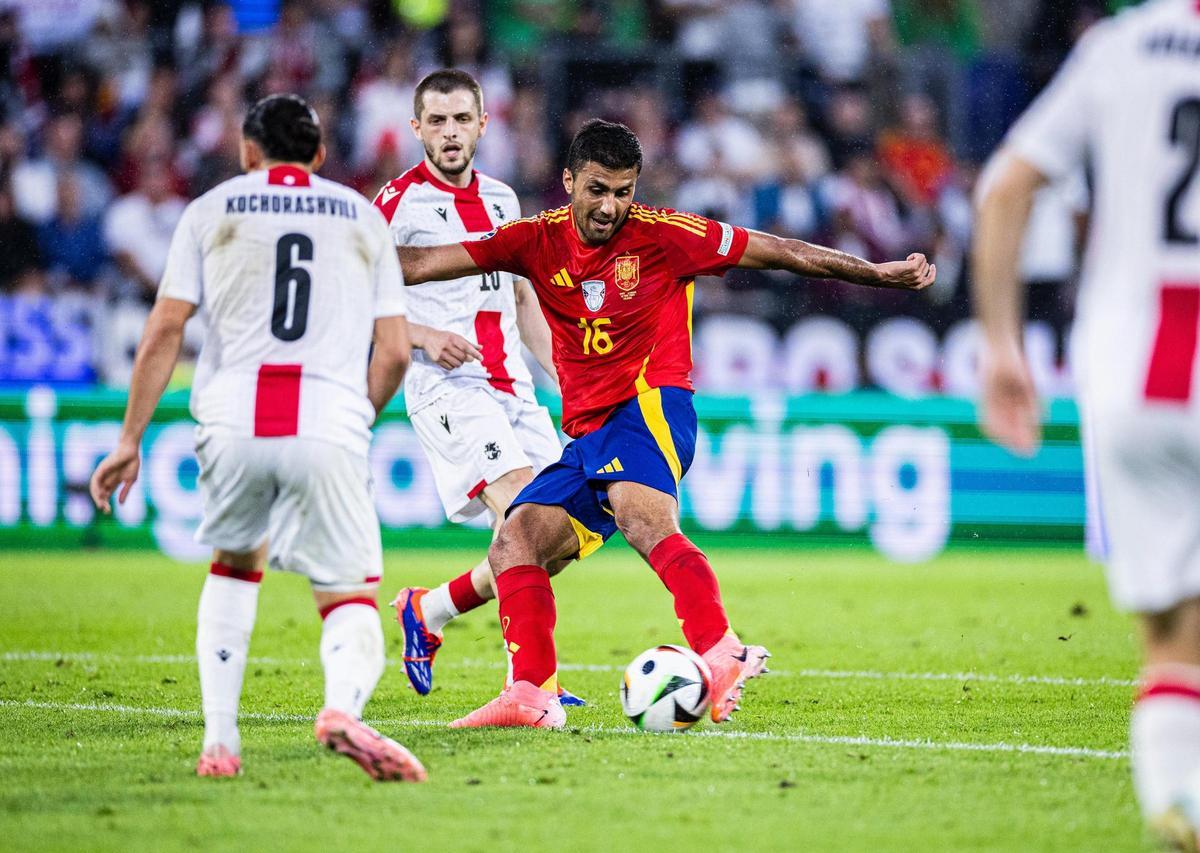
{"x":732,"y":664}
{"x":520,"y":704}
{"x":382,"y":758}
{"x":217,"y":761}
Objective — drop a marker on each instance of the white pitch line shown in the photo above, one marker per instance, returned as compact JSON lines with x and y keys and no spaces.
{"x":827,"y":740}
{"x":952,"y":746}
{"x":188,"y":713}
{"x":848,"y":674}
{"x":105,"y":657}
{"x":1061,"y":681}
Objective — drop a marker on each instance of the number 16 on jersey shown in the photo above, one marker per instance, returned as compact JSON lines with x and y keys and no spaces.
{"x":595,"y":338}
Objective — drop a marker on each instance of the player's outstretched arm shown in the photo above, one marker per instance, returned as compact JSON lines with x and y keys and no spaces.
{"x":769,"y":252}
{"x":157,"y":354}
{"x":1009,"y":411}
{"x":390,"y":357}
{"x":435,"y":263}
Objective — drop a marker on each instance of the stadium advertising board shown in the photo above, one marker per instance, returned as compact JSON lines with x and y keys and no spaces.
{"x":908,"y":476}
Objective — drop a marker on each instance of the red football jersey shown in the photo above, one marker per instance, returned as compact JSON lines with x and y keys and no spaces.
{"x":620,"y":314}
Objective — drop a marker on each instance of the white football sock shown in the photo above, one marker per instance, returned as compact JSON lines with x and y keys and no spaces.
{"x":1165,"y":736}
{"x":223,"y":626}
{"x":438,"y":608}
{"x":352,"y":654}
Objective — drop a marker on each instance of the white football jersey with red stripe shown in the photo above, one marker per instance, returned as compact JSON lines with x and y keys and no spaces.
{"x":1129,"y":99}
{"x":290,"y":272}
{"x":422,"y":210}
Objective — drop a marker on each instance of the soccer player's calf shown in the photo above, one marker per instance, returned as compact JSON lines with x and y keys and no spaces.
{"x":424,"y":613}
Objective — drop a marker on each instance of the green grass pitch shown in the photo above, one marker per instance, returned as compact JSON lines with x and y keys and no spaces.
{"x":975,"y":702}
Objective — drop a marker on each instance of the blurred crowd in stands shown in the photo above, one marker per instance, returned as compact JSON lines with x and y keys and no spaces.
{"x":861,"y":124}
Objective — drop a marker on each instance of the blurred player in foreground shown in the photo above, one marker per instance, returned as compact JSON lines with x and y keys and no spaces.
{"x":615,"y":281}
{"x":1128,"y":98}
{"x":296,"y":275}
{"x":469,"y":395}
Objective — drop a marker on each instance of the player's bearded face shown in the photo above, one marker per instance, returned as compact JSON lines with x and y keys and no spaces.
{"x":449,"y":129}
{"x":600,"y":199}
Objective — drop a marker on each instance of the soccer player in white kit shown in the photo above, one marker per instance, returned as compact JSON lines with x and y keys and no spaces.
{"x":1129,"y":99}
{"x":296,"y":276}
{"x":470,"y":396}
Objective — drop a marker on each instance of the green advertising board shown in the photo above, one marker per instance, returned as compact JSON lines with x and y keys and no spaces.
{"x":909,"y":477}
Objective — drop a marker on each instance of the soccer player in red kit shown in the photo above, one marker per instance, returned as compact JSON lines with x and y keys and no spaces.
{"x":615,"y":281}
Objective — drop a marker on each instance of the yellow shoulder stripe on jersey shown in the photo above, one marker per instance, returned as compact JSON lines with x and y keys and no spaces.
{"x":686,"y":220}
{"x":697,"y":231}
{"x":683,"y":224}
{"x":512,"y":222}
{"x":692,"y":218}
{"x":656,"y":421}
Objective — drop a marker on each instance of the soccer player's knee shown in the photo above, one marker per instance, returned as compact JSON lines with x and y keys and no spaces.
{"x":499,"y":495}
{"x":509,"y":548}
{"x":642,"y":531}
{"x":1178,"y":626}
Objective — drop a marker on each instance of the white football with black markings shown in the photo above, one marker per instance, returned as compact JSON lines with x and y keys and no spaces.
{"x":666,"y":689}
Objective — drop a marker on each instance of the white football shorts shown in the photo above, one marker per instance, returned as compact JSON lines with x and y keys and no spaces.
{"x":310,"y":499}
{"x":1145,"y":469}
{"x":474,"y":437}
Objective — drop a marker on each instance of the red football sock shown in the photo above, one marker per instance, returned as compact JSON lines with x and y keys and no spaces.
{"x":684,"y":570}
{"x":527,"y":616}
{"x":463,"y":594}
{"x":223,"y":571}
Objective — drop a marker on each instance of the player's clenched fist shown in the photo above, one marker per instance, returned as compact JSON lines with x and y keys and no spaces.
{"x":119,"y":468}
{"x":913,"y":273}
{"x":449,"y":350}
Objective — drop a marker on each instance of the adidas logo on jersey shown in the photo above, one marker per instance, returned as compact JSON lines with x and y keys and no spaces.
{"x":612,"y":467}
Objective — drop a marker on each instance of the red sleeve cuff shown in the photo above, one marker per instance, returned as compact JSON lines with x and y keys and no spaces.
{"x":741,"y":238}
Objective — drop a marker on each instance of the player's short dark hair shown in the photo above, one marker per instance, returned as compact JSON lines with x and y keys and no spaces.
{"x":444,"y":82}
{"x":608,"y":143}
{"x":285,"y":127}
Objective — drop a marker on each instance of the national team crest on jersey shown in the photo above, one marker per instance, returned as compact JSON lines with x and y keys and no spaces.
{"x":627,"y":275}
{"x":593,"y":295}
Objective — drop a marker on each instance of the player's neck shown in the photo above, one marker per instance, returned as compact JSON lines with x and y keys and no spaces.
{"x":462,"y":180}
{"x":271,"y":164}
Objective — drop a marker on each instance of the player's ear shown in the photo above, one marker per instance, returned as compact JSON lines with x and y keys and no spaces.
{"x":415,"y":124}
{"x":251,"y":155}
{"x":568,"y":181}
{"x":319,"y":160}
{"x":483,"y":120}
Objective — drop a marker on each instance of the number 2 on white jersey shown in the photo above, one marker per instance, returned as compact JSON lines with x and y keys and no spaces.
{"x":1173,"y":356}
